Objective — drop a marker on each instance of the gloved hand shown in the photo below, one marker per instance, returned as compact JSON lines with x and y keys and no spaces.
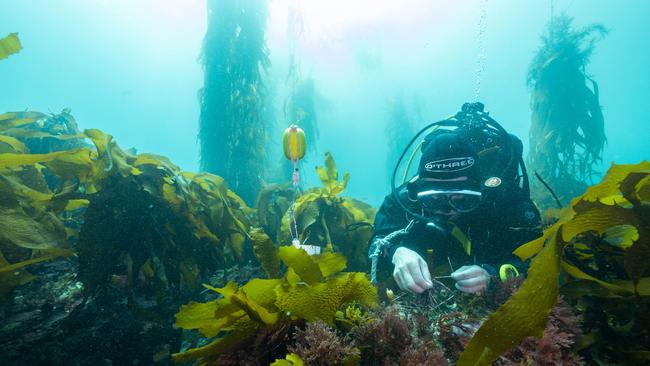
{"x":411,"y":272}
{"x":310,"y":249}
{"x":471,"y":279}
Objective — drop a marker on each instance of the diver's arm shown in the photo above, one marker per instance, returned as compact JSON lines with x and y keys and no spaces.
{"x":393,"y":242}
{"x":410,"y":271}
{"x":389,"y":218}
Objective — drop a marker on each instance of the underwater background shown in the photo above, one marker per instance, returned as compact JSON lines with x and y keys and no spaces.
{"x":132,"y":68}
{"x":147,"y":209}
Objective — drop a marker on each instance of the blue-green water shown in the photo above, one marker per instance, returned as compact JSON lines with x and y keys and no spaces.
{"x":131,"y":68}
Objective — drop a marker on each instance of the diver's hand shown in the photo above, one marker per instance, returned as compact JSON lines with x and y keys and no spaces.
{"x":310,"y":249}
{"x":471,"y":279}
{"x":411,"y":272}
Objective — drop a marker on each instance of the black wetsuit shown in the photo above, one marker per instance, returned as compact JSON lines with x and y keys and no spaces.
{"x":505,"y":219}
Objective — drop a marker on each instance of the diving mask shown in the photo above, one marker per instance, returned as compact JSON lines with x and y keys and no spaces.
{"x":463,"y":200}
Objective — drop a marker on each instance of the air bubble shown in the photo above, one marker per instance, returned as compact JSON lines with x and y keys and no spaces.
{"x":481,"y":26}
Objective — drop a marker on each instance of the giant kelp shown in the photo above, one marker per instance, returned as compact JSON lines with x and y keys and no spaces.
{"x":45,"y":133}
{"x":157,"y":206}
{"x":601,"y":243}
{"x":325,"y":218}
{"x":399,"y":129}
{"x":146,"y":234}
{"x":300,"y":107}
{"x":312,"y":288}
{"x":191,"y":222}
{"x":567,"y":132}
{"x":272,"y":203}
{"x":232,"y":129}
{"x":33,"y":221}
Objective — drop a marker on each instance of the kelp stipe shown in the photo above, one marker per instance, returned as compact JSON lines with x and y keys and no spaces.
{"x":232,"y":128}
{"x":399,"y":130}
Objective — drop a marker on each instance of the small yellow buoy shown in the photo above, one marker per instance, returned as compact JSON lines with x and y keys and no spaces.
{"x":293,"y":140}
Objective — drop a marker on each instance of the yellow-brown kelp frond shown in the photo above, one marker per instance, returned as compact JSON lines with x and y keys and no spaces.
{"x":313,"y":288}
{"x":325,"y":218}
{"x":32,"y":226}
{"x":195,"y":210}
{"x":606,"y":228}
{"x":610,"y":222}
{"x":273,"y":201}
{"x":88,"y":174}
{"x":567,"y":133}
{"x":212,"y":208}
{"x":329,"y":176}
{"x":266,"y":253}
{"x":44,"y":133}
{"x":524,"y":314}
{"x":10,"y":45}
{"x":12,"y":275}
{"x":292,"y":359}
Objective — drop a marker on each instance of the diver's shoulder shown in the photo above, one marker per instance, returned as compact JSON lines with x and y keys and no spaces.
{"x":402,"y":193}
{"x":524,"y":210}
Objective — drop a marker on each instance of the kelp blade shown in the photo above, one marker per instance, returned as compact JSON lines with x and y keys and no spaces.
{"x":524,"y":314}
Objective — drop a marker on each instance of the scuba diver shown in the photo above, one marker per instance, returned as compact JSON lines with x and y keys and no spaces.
{"x":468,"y":207}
